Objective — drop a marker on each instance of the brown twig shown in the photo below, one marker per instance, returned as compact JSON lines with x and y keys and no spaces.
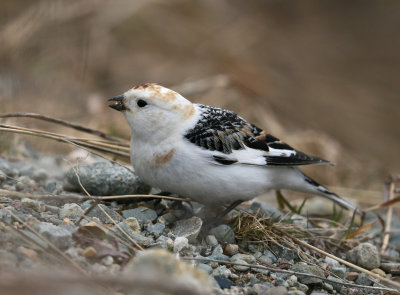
{"x":13,"y":194}
{"x":389,"y":195}
{"x":63,"y":138}
{"x":63,"y":123}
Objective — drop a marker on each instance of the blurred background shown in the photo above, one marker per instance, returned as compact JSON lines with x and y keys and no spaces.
{"x":323,"y":76}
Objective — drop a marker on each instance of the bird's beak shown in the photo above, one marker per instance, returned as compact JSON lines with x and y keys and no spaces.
{"x":117,"y":103}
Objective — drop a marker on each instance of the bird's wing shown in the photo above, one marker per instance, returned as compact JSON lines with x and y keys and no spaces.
{"x":232,"y":140}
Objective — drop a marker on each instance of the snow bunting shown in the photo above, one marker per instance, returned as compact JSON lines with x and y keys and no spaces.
{"x":208,"y":154}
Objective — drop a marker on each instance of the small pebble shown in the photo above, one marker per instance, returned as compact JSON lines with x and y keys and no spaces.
{"x":71,"y":210}
{"x":107,"y":261}
{"x":142,"y":214}
{"x":365,"y":255}
{"x":133,"y":224}
{"x":352,"y":275}
{"x":89,"y":252}
{"x":391,"y":267}
{"x":379,"y":272}
{"x":223,"y":233}
{"x":28,"y":253}
{"x":211,"y":240}
{"x":180,"y":243}
{"x":231,"y":249}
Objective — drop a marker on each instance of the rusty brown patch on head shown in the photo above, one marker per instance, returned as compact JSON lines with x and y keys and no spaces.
{"x":162,"y":159}
{"x":188,"y":111}
{"x":144,"y":86}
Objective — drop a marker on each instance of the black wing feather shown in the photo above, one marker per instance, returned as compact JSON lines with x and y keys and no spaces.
{"x":225,"y":132}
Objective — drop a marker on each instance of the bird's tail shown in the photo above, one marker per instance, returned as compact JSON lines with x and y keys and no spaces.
{"x":319,"y":189}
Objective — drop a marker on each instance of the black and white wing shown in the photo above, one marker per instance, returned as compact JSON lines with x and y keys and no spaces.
{"x":233,"y":140}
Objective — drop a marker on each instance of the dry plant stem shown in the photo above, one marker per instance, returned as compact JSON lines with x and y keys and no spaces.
{"x":13,"y":194}
{"x":273,"y":269}
{"x":390,"y":186}
{"x":63,"y":123}
{"x":374,"y":275}
{"x":62,"y":138}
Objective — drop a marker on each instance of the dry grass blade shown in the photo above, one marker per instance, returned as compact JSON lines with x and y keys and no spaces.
{"x":114,"y":149}
{"x":360,"y":230}
{"x":389,"y":195}
{"x":63,"y":123}
{"x":67,"y":198}
{"x":384,"y":204}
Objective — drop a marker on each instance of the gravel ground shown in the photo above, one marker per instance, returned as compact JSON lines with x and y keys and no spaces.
{"x":166,"y":230}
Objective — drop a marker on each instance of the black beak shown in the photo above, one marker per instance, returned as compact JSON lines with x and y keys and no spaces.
{"x":118,"y":103}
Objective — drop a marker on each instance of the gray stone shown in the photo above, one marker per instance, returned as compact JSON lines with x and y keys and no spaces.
{"x":208,"y":269}
{"x":211,"y":240}
{"x":33,"y":204}
{"x":340,"y":271}
{"x":338,"y":287}
{"x":221,"y":257}
{"x":97,"y":212}
{"x":391,"y":267}
{"x":137,"y":237}
{"x":332,"y":262}
{"x":165,"y":242}
{"x":363,"y":279}
{"x":5,"y":215}
{"x":71,"y":210}
{"x":266,"y":209}
{"x":269,"y":257}
{"x":142,"y":214}
{"x":218,"y":250}
{"x":6,"y":168}
{"x":295,"y":292}
{"x":105,"y":179}
{"x":3,"y":177}
{"x":222,"y":271}
{"x":310,"y":269}
{"x":243,"y":259}
{"x":156,"y":230}
{"x":60,"y":237}
{"x":224,"y":233}
{"x":180,"y":243}
{"x":188,"y":228}
{"x":168,"y":218}
{"x":365,"y":255}
{"x":39,"y":175}
{"x":24,"y":182}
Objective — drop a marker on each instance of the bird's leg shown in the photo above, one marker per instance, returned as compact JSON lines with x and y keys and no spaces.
{"x":213,"y":221}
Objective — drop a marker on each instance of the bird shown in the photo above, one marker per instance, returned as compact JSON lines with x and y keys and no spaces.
{"x":208,"y":154}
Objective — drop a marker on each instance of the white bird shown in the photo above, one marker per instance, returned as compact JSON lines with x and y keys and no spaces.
{"x":208,"y":154}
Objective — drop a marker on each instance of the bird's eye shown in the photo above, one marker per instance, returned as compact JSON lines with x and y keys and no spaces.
{"x":141,"y":103}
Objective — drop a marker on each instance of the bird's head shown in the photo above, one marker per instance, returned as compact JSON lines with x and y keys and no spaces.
{"x":151,"y":109}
